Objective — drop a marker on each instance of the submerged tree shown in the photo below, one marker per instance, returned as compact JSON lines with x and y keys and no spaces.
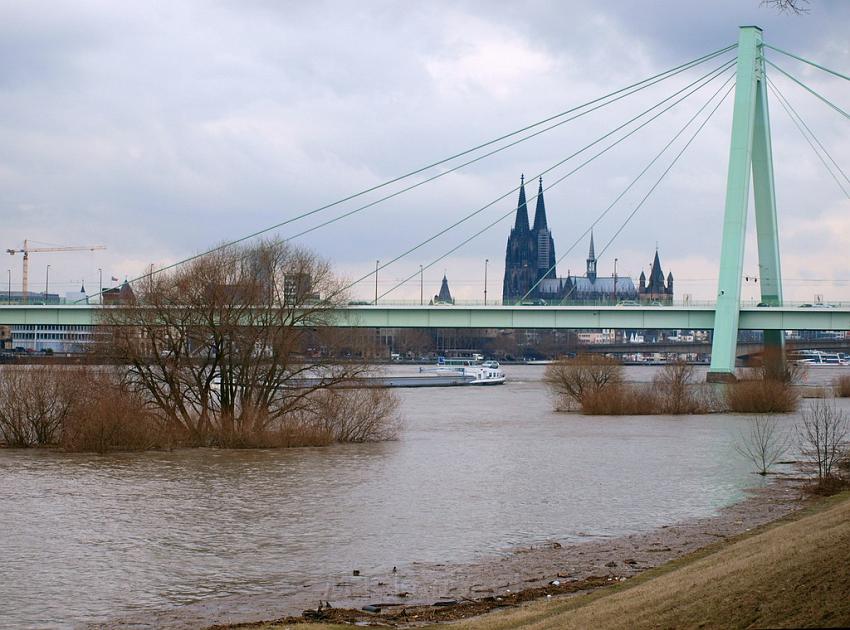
{"x":823,"y":436}
{"x":764,"y":444}
{"x":571,"y":380}
{"x":230,"y":344}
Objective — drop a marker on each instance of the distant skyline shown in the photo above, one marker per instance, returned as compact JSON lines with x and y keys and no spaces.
{"x":160,"y":129}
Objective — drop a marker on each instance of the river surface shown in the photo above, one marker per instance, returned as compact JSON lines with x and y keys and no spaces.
{"x":476,"y":471}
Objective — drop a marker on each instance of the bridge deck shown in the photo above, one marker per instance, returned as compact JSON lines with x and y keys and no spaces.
{"x":541,"y":317}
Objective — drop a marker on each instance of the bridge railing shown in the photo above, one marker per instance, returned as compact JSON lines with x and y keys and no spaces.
{"x":466,"y":302}
{"x":609,"y":303}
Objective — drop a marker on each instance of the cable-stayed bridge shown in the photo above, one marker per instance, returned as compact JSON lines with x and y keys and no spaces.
{"x":772,"y":318}
{"x":740,"y":68}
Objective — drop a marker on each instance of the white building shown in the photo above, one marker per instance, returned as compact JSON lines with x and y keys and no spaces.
{"x":59,"y":338}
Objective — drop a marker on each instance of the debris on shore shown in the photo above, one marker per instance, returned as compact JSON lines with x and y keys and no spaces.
{"x":399,"y":614}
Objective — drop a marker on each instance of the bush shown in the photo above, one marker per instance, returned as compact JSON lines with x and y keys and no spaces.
{"x":294,"y":431}
{"x":595,"y":385}
{"x":325,"y":417}
{"x":34,"y":403}
{"x":572,"y":380}
{"x":828,"y":486}
{"x":677,"y":392}
{"x":94,"y":410}
{"x":105,"y":416}
{"x":622,"y":399}
{"x":359,"y":415}
{"x":761,"y":396}
{"x":78,"y":409}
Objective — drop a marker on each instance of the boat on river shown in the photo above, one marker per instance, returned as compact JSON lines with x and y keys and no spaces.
{"x":447,"y":373}
{"x":818,"y":358}
{"x":470,"y":371}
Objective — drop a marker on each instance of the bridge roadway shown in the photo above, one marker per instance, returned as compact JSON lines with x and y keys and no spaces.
{"x":516,"y":317}
{"x":704,"y":347}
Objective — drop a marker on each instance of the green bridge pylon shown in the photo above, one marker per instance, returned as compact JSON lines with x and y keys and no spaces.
{"x":750,"y":151}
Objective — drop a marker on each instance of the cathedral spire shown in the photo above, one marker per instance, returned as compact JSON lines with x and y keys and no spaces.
{"x":591,"y":261}
{"x":540,"y":212}
{"x":656,"y":276}
{"x":521,"y":224}
{"x":445,"y":296}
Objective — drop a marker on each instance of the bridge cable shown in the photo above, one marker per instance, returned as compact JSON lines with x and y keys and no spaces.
{"x":704,"y":80}
{"x":639,"y":85}
{"x":667,"y":170}
{"x":800,"y":124}
{"x":811,"y":63}
{"x":807,"y":88}
{"x":555,"y":183}
{"x":626,"y":189}
{"x":453,"y":169}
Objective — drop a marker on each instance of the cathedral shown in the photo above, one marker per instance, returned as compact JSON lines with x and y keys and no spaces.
{"x":530,"y":258}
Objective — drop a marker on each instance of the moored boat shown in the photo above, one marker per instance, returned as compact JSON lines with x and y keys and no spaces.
{"x":818,"y":358}
{"x":474,"y":373}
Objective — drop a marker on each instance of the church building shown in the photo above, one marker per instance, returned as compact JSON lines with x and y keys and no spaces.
{"x":445,"y":295}
{"x":530,"y":275}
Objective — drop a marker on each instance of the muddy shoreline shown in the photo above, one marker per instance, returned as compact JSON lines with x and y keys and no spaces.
{"x":519,"y":576}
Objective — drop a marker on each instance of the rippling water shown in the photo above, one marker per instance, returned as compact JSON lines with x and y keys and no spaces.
{"x":476,"y":471}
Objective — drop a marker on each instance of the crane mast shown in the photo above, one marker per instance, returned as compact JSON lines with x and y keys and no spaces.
{"x":26,"y":266}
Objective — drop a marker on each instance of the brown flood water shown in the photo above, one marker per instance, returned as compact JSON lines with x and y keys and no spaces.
{"x":477,"y":472}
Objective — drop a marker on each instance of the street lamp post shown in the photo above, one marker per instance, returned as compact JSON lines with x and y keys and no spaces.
{"x":421,"y":288}
{"x":615,"y":280}
{"x":486,"y":260}
{"x":46,"y":282}
{"x":377,"y":262}
{"x":9,"y":295}
{"x":100,"y":281}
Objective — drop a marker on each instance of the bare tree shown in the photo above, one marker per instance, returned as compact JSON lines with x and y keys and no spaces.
{"x":763,"y":444}
{"x":359,"y":415}
{"x":823,"y":436}
{"x":414,"y":340}
{"x":571,"y":380}
{"x":34,"y":403}
{"x":788,"y":6}
{"x":504,"y":344}
{"x":674,"y":387}
{"x":226,"y":345}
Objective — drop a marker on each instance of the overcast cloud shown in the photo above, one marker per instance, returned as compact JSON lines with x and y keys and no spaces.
{"x":161,"y":128}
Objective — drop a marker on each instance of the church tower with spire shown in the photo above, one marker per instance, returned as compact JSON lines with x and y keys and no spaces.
{"x":591,"y":261}
{"x":655,"y":289}
{"x":520,"y":254}
{"x":543,"y":239}
{"x":445,"y":295}
{"x":530,"y":262}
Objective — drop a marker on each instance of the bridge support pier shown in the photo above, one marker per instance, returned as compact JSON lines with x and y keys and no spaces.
{"x":721,"y":377}
{"x":750,"y":154}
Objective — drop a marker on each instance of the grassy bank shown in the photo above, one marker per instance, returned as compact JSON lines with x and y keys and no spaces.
{"x":791,"y":574}
{"x":794,"y":573}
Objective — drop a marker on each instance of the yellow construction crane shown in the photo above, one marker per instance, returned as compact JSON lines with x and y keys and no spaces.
{"x":27,"y":250}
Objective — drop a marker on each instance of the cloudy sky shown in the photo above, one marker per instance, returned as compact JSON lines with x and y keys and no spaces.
{"x":159,"y":129}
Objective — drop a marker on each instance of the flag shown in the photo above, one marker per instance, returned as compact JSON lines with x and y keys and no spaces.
{"x":114,"y":279}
